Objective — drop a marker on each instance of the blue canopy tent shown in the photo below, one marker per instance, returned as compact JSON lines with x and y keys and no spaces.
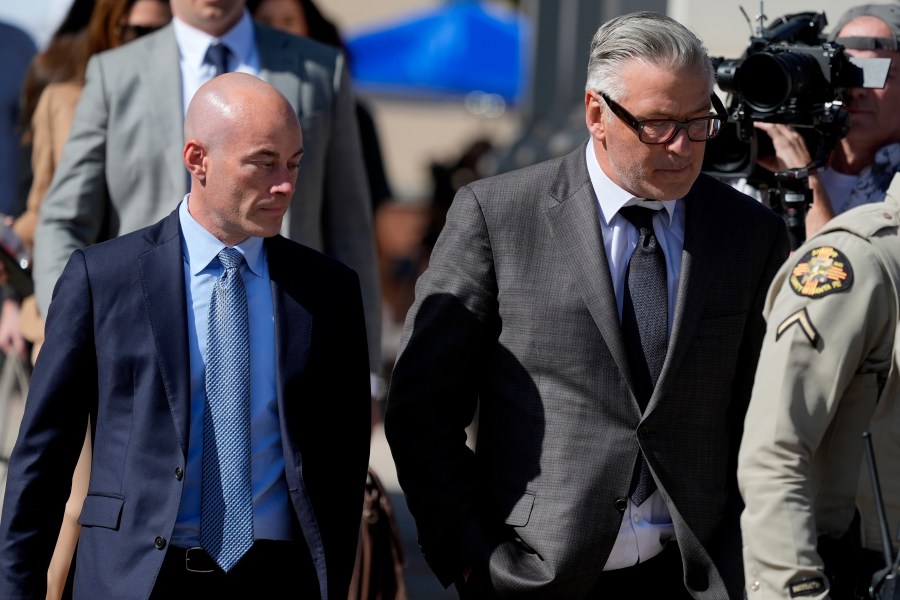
{"x":461,"y":47}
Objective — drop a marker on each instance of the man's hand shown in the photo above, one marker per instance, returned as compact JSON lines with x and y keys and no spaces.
{"x":791,"y":153}
{"x":10,"y":337}
{"x":790,"y":148}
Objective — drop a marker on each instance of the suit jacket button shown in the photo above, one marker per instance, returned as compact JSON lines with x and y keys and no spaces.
{"x":644,"y":431}
{"x":159,"y":542}
{"x":621,"y":504}
{"x":179,"y":473}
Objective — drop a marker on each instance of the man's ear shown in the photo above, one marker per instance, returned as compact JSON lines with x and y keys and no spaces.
{"x":194,"y":154}
{"x":594,"y":117}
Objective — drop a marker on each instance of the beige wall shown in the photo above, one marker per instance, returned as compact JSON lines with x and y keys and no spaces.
{"x":724,"y":29}
{"x":413,"y":135}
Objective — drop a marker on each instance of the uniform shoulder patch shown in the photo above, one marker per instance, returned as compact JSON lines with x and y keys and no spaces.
{"x":812,"y":586}
{"x":821,"y":271}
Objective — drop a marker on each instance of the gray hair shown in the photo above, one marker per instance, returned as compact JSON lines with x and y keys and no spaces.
{"x":643,"y":36}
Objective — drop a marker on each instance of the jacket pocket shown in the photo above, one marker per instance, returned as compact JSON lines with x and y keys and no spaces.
{"x":520,"y":510}
{"x":101,"y":511}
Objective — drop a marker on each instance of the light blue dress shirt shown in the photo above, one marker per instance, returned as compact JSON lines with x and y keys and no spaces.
{"x":272,"y":513}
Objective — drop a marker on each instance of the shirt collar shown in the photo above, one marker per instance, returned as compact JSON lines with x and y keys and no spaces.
{"x":201,"y":247}
{"x":193,"y":43}
{"x":611,"y":197}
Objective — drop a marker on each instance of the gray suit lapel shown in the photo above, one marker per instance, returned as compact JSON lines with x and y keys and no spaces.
{"x":164,"y":101}
{"x":698,"y":265}
{"x":573,"y":219}
{"x":162,"y":277}
{"x":281,"y":68}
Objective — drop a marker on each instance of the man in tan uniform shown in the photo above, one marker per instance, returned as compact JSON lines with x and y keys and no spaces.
{"x":828,"y":361}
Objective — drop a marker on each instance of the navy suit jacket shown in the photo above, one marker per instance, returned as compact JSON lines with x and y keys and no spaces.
{"x":117,"y":350}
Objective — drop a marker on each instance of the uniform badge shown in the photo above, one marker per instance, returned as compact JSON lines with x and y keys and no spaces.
{"x":822,"y":271}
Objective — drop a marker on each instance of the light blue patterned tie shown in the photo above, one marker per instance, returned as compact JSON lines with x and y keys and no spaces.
{"x":226,"y":511}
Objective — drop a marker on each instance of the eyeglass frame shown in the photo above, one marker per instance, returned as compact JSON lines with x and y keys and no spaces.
{"x":638,"y":124}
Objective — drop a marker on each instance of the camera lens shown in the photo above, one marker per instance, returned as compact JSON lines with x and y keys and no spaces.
{"x":726,"y":74}
{"x":767,"y":80}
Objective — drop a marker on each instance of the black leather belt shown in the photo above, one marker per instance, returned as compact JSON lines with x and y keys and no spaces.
{"x":196,"y":560}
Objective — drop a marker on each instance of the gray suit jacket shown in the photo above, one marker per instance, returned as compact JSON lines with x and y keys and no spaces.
{"x":121,"y":168}
{"x":516,"y":315}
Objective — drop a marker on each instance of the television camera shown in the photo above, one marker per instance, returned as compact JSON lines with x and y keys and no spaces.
{"x":789,"y":74}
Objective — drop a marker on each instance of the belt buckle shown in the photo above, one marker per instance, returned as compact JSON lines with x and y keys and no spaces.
{"x":196,"y":560}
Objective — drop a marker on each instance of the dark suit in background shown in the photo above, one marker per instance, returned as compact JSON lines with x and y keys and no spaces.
{"x":17,"y":49}
{"x":516,"y":316}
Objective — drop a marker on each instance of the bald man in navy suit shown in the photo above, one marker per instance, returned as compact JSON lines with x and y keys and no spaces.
{"x":126,"y":346}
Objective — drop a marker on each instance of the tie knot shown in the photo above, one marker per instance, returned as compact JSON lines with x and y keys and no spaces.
{"x":639,"y":216}
{"x":217,"y":56}
{"x":231,"y":258}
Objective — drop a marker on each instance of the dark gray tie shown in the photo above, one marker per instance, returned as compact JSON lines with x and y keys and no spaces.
{"x":217,"y":56}
{"x":645,"y":321}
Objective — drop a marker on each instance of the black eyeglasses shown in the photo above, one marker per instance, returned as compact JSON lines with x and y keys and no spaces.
{"x":663,"y":131}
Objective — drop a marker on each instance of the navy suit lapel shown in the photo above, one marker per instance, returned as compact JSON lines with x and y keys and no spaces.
{"x":293,"y":323}
{"x":573,"y":219}
{"x":293,"y":332}
{"x":162,"y":276}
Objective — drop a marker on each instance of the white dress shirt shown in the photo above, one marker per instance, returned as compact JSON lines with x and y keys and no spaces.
{"x":646,"y":528}
{"x":192,"y":47}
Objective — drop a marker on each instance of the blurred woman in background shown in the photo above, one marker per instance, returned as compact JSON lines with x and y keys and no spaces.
{"x":58,"y":74}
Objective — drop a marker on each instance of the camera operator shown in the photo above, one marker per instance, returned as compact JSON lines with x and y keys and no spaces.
{"x":861,"y":166}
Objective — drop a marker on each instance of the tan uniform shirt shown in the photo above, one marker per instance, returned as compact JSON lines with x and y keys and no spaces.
{"x":829,"y":351}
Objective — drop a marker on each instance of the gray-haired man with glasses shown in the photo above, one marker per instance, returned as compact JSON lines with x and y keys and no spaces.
{"x":602,"y":311}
